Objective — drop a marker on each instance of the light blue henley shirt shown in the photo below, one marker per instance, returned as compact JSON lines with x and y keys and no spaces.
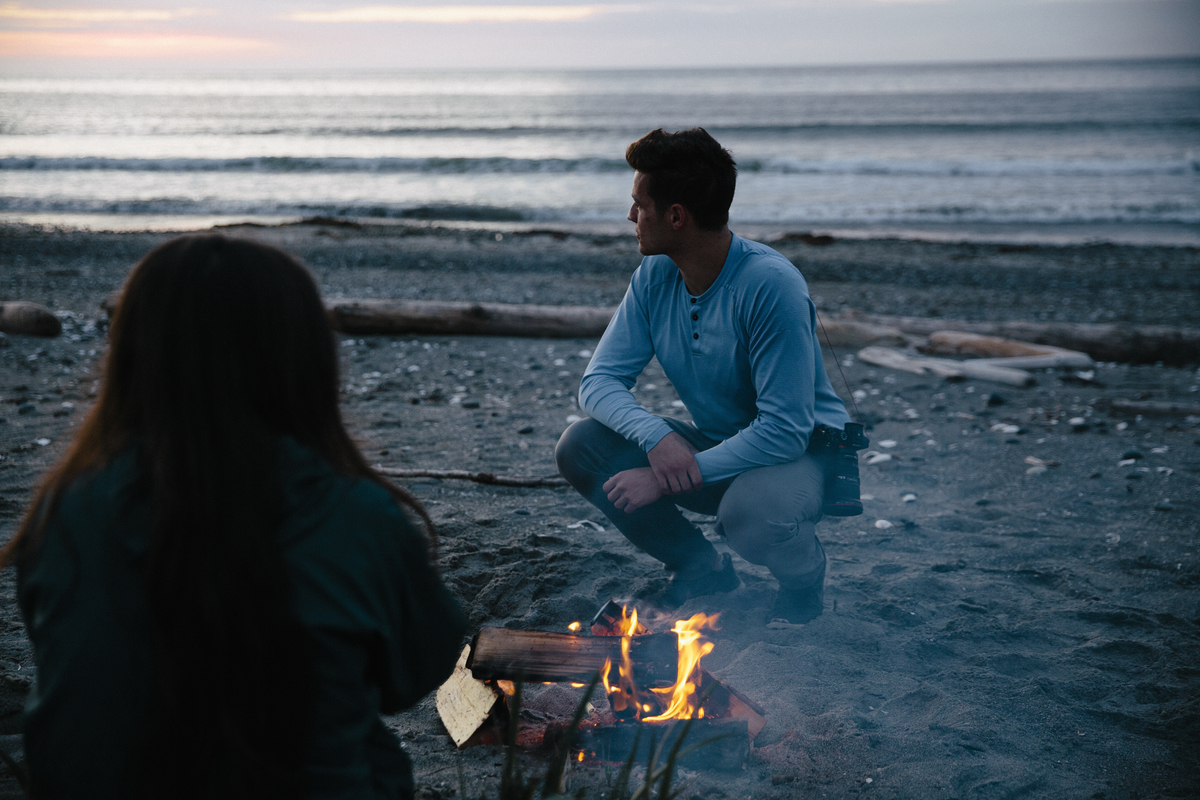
{"x":744,"y":358}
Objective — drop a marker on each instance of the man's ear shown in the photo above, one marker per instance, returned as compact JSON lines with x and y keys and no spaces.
{"x":677,"y":215}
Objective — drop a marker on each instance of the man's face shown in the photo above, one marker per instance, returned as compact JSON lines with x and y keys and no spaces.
{"x":653,"y":232}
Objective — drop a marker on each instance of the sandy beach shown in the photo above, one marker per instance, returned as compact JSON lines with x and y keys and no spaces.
{"x":1017,"y":613}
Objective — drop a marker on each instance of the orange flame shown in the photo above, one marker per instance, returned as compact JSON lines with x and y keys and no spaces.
{"x":623,"y":697}
{"x":692,"y":647}
{"x":679,"y":698}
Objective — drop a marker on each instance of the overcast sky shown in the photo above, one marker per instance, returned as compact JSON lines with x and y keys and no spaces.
{"x":581,"y":34}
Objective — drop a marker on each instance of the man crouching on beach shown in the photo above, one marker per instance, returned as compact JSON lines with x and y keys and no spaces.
{"x":733,"y":327}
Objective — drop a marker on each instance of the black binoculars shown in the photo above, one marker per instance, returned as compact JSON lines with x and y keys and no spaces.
{"x":838,"y":453}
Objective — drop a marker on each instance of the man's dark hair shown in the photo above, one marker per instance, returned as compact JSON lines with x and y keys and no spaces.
{"x":690,"y":168}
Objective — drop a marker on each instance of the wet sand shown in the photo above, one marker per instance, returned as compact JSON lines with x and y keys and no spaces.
{"x":993,"y":627}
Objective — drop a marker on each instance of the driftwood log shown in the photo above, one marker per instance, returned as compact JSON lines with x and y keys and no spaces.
{"x":535,"y":656}
{"x":31,"y":319}
{"x":1122,"y":343}
{"x":490,"y":478}
{"x":1113,"y":342}
{"x":1153,"y":408}
{"x":945,"y":368}
{"x":467,"y":319}
{"x":725,"y":743}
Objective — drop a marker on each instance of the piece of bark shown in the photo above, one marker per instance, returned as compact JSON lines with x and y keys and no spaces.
{"x":535,"y":656}
{"x":1153,"y":408}
{"x":490,"y":478}
{"x":31,"y":319}
{"x":467,"y":706}
{"x":467,"y":319}
{"x":1121,"y":343}
{"x":615,"y":742}
{"x":722,"y":701}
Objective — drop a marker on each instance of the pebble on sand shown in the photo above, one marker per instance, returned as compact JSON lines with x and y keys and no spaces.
{"x":882,"y":524}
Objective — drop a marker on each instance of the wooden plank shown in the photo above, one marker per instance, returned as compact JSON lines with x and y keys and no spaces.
{"x":465,"y":703}
{"x":615,"y":742}
{"x":536,"y":656}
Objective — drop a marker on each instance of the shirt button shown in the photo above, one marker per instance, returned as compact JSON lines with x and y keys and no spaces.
{"x":695,"y":316}
{"x":695,"y":336}
{"x":693,"y":299}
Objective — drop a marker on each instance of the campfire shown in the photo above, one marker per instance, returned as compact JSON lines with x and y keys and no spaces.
{"x":651,"y":681}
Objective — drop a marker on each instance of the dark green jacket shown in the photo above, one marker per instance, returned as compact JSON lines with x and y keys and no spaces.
{"x":385,"y":630}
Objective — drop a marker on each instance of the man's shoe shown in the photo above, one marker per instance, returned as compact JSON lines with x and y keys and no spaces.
{"x":798,"y":604}
{"x":679,"y":590}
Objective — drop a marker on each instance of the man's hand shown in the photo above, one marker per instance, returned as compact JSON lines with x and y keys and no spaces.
{"x":632,"y":489}
{"x":673,"y":460}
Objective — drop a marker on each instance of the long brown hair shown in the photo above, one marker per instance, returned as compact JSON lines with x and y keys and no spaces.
{"x":219,"y":347}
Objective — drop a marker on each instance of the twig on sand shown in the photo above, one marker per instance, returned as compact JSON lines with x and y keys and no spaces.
{"x":466,"y":475}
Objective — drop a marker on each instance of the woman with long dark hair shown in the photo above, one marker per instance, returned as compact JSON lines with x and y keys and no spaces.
{"x":222,"y":596}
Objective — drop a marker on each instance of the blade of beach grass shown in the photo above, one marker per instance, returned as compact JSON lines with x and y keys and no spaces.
{"x":558,"y":767}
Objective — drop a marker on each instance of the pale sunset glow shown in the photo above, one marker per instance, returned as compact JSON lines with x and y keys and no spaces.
{"x":123,"y":44}
{"x":586,"y":34}
{"x":448,"y":14}
{"x":16,"y":11}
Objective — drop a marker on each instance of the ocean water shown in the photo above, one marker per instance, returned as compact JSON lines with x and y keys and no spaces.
{"x":1050,"y":151}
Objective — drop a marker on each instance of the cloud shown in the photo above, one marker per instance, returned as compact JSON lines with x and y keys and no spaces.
{"x":453,"y":14}
{"x":124,"y":45}
{"x":15,"y":11}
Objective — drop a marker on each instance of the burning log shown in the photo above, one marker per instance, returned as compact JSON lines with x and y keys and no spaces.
{"x":503,"y":654}
{"x":724,"y":743}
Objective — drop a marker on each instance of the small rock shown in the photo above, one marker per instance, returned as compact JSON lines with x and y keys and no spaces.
{"x":42,"y":442}
{"x":26,"y":408}
{"x":522,"y":512}
{"x":470,"y":404}
{"x":877,"y":458}
{"x":888,"y":443}
{"x":1096,"y":474}
{"x":1164,"y":505}
{"x":573,"y":418}
{"x":909,"y":498}
{"x":1133,"y":476}
{"x":1132,"y":454}
{"x":1078,"y":424}
{"x":1036,"y":470}
{"x":1112,"y":539}
{"x":526,"y":429}
{"x":995,"y":400}
{"x":882,"y":524}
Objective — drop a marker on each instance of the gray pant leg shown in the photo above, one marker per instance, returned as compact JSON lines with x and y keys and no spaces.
{"x":589,"y":453}
{"x":768,"y":516}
